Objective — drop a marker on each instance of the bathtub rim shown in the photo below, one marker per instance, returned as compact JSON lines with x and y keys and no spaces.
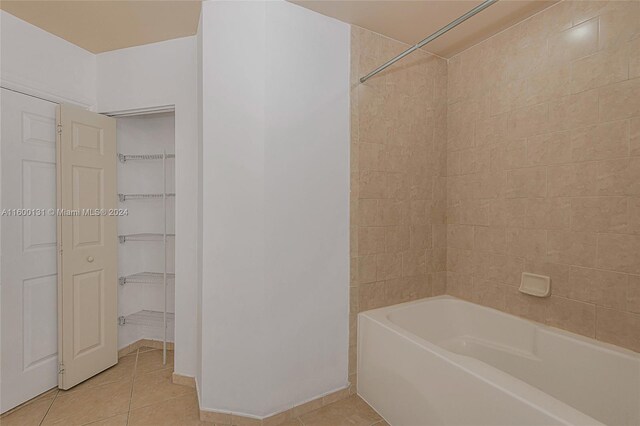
{"x":493,"y":376}
{"x":382,"y":315}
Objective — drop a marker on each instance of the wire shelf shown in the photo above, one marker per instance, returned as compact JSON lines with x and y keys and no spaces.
{"x":138,"y":157}
{"x":146,"y":278}
{"x":142,"y":237}
{"x":146,"y":318}
{"x":125,"y":197}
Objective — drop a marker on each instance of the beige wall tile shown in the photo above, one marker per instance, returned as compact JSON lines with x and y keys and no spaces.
{"x":388,"y":266}
{"x":419,"y":212}
{"x":396,"y":238}
{"x":573,"y":248}
{"x":572,"y":180}
{"x":509,"y":96}
{"x":373,"y":184}
{"x":460,"y":125}
{"x":414,"y":262}
{"x":370,"y":240}
{"x":576,"y":42}
{"x":460,"y":236}
{"x":634,"y":215}
{"x":577,"y":317}
{"x":619,"y":23}
{"x":371,"y":296}
{"x":619,"y":177}
{"x":634,"y":136}
{"x":529,"y":121}
{"x":366,"y":269}
{"x":550,"y":148}
{"x":600,"y":214}
{"x":619,"y":252}
{"x":501,"y":268}
{"x":368,"y":213}
{"x":460,"y":261}
{"x":549,"y":177}
{"x":618,"y":327}
{"x":604,"y":288}
{"x":507,"y":212}
{"x":491,"y":130}
{"x":525,"y":306}
{"x":490,"y":239}
{"x":420,"y":237}
{"x":620,"y":100}
{"x":489,"y":293}
{"x":573,"y":111}
{"x":439,"y":283}
{"x":551,"y":21}
{"x":634,"y":59}
{"x":526,"y":243}
{"x":549,"y":83}
{"x":633,"y":294}
{"x":584,"y":10}
{"x":601,"y":68}
{"x":528,"y":182}
{"x":474,"y":160}
{"x":547,"y":213}
{"x":600,"y":142}
{"x":370,"y":157}
{"x":459,"y":285}
{"x":392,"y":212}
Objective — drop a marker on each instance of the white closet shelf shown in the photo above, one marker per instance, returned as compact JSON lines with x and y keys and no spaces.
{"x":146,"y":278}
{"x":146,"y":318}
{"x":125,"y":197}
{"x":142,"y":237}
{"x":137,"y":157}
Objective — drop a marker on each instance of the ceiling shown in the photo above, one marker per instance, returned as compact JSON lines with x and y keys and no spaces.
{"x":412,"y":21}
{"x":100,"y":26}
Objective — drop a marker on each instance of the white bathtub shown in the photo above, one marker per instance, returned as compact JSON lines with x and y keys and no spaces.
{"x":444,"y":361}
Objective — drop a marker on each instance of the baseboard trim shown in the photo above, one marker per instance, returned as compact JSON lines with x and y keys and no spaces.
{"x":179,"y":379}
{"x":228,"y":419}
{"x":155,"y":344}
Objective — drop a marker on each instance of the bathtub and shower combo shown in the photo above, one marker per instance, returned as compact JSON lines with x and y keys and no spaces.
{"x":445,"y":361}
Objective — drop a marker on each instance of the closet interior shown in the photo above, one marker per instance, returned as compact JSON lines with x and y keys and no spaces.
{"x":146,"y":250}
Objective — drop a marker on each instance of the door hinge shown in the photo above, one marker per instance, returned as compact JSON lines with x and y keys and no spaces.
{"x":60,"y":368}
{"x":59,"y":128}
{"x":121,"y":320}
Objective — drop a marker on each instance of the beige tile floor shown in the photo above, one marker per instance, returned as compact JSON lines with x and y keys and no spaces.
{"x":138,"y":391}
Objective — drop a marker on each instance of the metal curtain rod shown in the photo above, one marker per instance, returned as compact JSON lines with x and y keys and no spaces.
{"x":432,"y":37}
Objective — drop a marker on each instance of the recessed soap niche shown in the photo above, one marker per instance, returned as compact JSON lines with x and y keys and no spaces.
{"x":535,"y":285}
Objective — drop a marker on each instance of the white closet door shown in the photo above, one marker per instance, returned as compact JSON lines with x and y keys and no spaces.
{"x":28,"y":275}
{"x":88,"y":290}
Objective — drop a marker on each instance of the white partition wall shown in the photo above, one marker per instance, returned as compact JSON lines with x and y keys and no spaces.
{"x":275,"y":206}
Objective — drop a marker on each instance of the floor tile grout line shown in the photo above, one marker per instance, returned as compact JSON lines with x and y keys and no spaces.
{"x":133,"y":379}
{"x":49,"y":407}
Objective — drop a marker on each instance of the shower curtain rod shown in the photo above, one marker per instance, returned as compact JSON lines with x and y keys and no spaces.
{"x":482,"y":6}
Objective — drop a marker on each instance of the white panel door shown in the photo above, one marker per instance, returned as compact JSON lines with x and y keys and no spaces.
{"x":87,"y":264}
{"x":28,"y":275}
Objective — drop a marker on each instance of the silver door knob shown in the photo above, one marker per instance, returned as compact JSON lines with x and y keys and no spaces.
{"x":90,"y":259}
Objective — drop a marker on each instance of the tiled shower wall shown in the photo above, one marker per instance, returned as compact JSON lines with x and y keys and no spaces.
{"x":544,"y":169}
{"x":398,"y":190}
